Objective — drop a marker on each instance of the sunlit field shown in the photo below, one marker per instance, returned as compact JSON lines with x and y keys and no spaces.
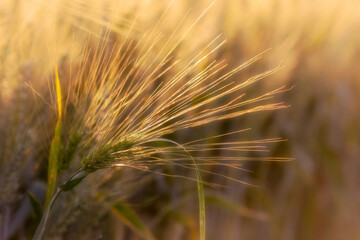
{"x":225,"y":119}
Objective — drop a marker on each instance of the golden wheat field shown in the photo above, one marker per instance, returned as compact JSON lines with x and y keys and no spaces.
{"x":202,"y":119}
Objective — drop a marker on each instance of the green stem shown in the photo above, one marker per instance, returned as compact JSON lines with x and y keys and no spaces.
{"x":74,"y":180}
{"x":41,"y":228}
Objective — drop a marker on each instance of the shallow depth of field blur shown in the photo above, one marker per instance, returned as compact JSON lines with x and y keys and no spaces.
{"x":315,"y":195}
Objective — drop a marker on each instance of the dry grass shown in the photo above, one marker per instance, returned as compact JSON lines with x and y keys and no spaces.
{"x":160,"y":97}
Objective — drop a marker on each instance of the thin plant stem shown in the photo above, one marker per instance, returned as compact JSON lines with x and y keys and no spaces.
{"x":45,"y":217}
{"x":41,"y":228}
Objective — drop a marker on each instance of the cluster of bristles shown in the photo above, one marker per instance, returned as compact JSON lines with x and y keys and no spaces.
{"x":125,"y":97}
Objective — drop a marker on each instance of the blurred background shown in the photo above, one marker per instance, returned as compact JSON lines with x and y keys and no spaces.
{"x":314,"y":196}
